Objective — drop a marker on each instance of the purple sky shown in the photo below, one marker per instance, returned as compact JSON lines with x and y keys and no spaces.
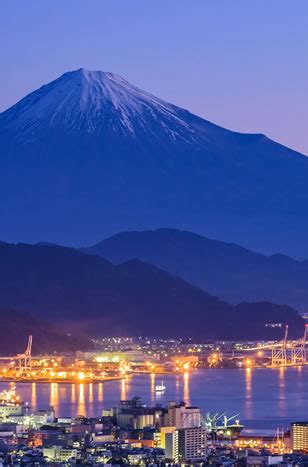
{"x":240,"y":64}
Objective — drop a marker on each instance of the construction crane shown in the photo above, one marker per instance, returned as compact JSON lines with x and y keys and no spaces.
{"x":24,"y":359}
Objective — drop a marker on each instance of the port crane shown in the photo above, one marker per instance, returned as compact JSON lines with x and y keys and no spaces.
{"x":24,"y":359}
{"x":286,"y":352}
{"x":298,"y":349}
{"x":217,"y":425}
{"x":211,"y":421}
{"x":279,"y":353}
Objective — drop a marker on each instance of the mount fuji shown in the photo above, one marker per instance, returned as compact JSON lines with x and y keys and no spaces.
{"x":89,"y":155}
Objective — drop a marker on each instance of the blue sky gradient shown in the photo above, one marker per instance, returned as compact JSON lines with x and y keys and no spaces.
{"x":240,"y":64}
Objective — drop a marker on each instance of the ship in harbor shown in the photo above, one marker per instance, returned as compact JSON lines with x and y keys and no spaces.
{"x":159,"y":388}
{"x":10,"y":403}
{"x":220,"y":426}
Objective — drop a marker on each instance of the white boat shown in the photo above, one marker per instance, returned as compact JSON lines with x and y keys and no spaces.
{"x":160,"y":387}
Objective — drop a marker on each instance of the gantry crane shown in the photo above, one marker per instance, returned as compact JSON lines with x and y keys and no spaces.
{"x":24,"y":359}
{"x":279,"y":352}
{"x":286,"y":352}
{"x":298,"y":349}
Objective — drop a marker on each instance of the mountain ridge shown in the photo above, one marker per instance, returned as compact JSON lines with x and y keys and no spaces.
{"x":225,"y":269}
{"x":87,"y":294}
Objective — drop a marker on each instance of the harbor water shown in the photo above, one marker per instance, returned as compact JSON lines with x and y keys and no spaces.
{"x":265,"y":399}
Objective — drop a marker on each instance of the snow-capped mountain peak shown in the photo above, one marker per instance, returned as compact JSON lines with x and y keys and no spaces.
{"x":94,"y":102}
{"x":91,"y":154}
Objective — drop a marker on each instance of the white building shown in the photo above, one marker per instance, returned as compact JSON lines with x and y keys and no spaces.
{"x":182,"y":416}
{"x":42,"y":417}
{"x":59,"y":454}
{"x":7,"y":410}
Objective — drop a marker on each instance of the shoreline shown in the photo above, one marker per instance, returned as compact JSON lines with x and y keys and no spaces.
{"x":120,"y":378}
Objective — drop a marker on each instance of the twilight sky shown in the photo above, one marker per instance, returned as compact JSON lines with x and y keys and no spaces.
{"x":241,"y":64}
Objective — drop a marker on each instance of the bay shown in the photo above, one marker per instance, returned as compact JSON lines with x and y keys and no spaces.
{"x":265,"y":399}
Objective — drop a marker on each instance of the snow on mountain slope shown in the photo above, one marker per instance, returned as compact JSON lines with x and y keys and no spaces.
{"x":95,"y":101}
{"x":90,"y":154}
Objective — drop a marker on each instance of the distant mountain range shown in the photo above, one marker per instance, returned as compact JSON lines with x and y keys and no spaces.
{"x":233,"y":273}
{"x":89,"y":155}
{"x":79,"y":292}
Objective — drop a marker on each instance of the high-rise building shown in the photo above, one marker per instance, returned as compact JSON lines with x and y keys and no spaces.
{"x":299,"y":436}
{"x":172,"y":446}
{"x":192,"y":444}
{"x":161,"y":435}
{"x":186,"y":444}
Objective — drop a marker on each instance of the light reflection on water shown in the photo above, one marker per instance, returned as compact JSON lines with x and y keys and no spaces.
{"x":153,"y":384}
{"x":91,"y":392}
{"x":265,"y":398}
{"x":248,"y":395}
{"x":73,"y":393}
{"x":186,"y":388}
{"x":54,"y":396}
{"x":123,"y":389}
{"x":100,"y":392}
{"x":33,"y":395}
{"x":81,"y":407}
{"x":281,"y":391}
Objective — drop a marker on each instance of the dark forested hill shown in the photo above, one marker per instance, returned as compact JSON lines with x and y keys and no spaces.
{"x":16,"y":326}
{"x":82,"y":292}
